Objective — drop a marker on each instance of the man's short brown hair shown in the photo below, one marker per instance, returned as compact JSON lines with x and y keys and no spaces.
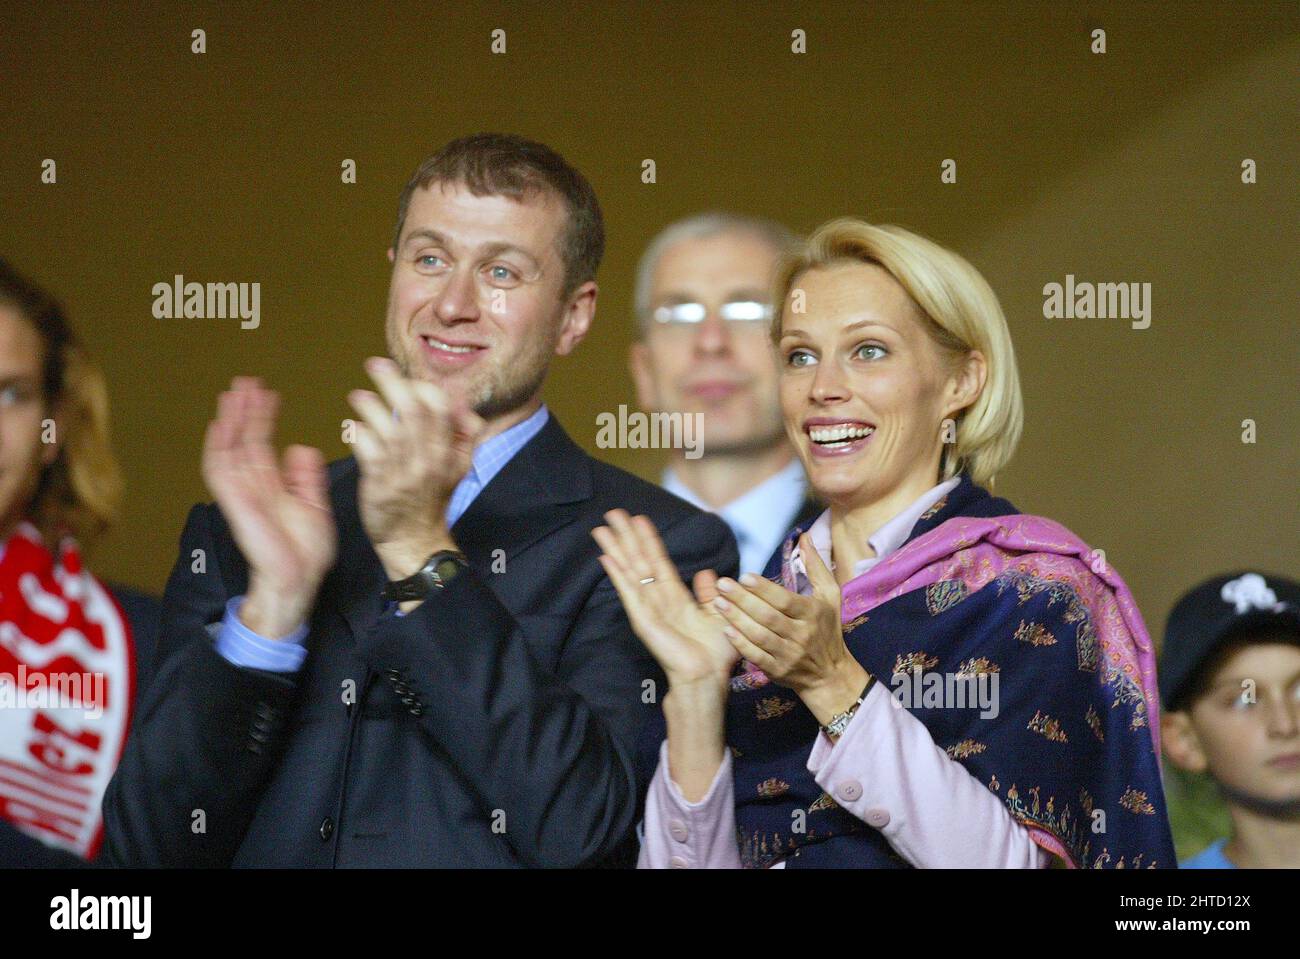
{"x":502,"y":164}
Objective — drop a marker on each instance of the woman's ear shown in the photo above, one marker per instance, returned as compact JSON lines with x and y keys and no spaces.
{"x":1181,"y":742}
{"x":967,"y":383}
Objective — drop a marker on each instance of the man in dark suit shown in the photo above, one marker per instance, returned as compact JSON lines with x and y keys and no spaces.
{"x":460,"y":687}
{"x":703,"y":347}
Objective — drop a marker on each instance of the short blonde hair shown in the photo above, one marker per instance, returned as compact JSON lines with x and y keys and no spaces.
{"x":963,"y":314}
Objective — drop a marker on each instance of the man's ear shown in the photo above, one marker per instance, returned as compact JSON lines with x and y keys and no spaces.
{"x":578,"y":314}
{"x":1181,"y":742}
{"x":967,"y":383}
{"x":641,"y":366}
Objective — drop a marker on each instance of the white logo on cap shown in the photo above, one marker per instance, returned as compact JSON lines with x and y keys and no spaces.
{"x":1250,"y":592}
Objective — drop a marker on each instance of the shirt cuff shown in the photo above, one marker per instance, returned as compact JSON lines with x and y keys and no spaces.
{"x":824,"y":745}
{"x":240,"y":646}
{"x":678,"y":834}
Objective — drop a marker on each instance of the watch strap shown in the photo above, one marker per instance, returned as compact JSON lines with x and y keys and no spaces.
{"x":437,"y":571}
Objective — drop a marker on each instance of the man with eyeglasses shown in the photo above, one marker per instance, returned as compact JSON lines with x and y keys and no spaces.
{"x":703,"y":311}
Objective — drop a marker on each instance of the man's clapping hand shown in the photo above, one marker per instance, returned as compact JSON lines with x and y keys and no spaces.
{"x":411,"y":453}
{"x":278,"y":513}
{"x":413,"y":446}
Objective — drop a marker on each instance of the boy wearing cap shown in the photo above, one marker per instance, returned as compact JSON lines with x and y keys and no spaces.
{"x":1230,"y":681}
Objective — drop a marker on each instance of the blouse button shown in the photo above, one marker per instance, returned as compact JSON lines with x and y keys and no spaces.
{"x":677,"y":829}
{"x":849,"y":790}
{"x":878,"y":818}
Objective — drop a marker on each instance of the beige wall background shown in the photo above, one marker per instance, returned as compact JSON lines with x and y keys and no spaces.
{"x":1125,"y":166}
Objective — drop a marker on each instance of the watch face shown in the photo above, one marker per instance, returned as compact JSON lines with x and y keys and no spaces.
{"x":446,"y":568}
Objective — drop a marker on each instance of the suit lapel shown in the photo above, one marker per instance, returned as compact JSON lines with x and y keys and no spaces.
{"x":538,"y":491}
{"x":541,"y":489}
{"x":359,"y":575}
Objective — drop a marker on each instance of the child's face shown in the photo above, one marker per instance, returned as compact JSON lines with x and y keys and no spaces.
{"x":1246,"y":726}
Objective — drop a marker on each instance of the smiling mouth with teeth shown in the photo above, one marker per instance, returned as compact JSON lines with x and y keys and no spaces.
{"x":838,"y":437}
{"x":447,"y":347}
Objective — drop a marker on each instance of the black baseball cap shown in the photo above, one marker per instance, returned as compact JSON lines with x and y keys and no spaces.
{"x":1215,"y":611}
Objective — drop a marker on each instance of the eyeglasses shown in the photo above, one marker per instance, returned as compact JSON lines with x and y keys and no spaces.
{"x":742,"y":313}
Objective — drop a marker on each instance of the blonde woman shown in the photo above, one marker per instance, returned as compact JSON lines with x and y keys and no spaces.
{"x":69,"y":646}
{"x":925,"y":676}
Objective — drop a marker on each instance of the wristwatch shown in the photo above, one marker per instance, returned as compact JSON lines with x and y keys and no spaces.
{"x":840,"y":721}
{"x":438,"y":570}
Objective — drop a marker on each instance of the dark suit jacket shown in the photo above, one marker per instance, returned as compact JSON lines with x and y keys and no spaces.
{"x":809,"y":509}
{"x":17,"y":849}
{"x":495,"y":725}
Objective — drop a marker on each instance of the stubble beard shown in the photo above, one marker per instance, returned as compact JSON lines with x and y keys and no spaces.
{"x":493,"y":392}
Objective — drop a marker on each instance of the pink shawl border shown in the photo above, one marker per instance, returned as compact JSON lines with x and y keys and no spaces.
{"x":977,"y":550}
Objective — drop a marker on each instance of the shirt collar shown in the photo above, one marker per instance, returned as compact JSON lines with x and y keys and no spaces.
{"x":752,"y":513}
{"x":779,"y":495}
{"x":491,"y":456}
{"x":888,"y":539}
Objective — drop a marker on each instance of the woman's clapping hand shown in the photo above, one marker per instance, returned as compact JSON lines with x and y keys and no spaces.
{"x":684,"y":632}
{"x":797,"y":641}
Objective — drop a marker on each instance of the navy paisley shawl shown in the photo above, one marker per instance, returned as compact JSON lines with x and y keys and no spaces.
{"x":977,"y":589}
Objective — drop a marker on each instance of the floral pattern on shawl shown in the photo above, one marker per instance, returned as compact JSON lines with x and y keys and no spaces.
{"x":982,"y":593}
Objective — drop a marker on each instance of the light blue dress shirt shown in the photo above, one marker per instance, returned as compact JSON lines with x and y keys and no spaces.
{"x":243,"y":647}
{"x":759,"y":518}
{"x":1211,"y":857}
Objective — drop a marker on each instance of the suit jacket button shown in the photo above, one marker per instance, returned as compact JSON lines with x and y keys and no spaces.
{"x":327,"y":828}
{"x":401,"y":688}
{"x":417,"y":709}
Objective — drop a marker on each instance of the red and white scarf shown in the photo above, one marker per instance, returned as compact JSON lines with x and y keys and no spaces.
{"x":67,"y":682}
